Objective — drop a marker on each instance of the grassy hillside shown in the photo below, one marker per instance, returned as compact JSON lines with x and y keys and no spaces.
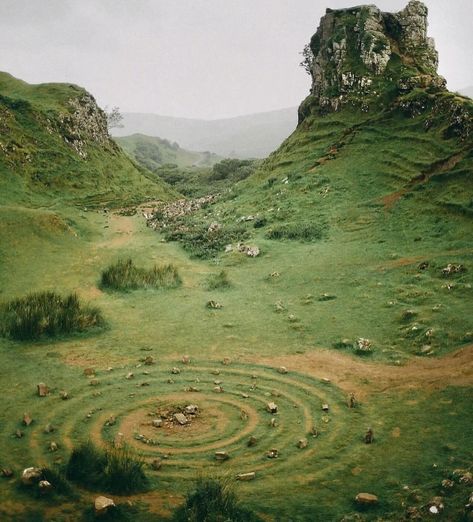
{"x":55,"y":145}
{"x":152,"y":153}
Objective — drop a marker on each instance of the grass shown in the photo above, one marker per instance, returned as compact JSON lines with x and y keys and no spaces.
{"x":296,"y":231}
{"x":115,"y":470}
{"x":47,"y":314}
{"x":218,"y":281}
{"x":213,"y":501}
{"x":125,"y":275}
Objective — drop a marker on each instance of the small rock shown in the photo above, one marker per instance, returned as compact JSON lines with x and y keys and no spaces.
{"x":272,"y":454}
{"x":156,"y":464}
{"x":271,"y":407}
{"x":214,"y":305}
{"x":130,"y":375}
{"x":89,"y":372}
{"x":215,"y":372}
{"x":149,"y":360}
{"x":45,"y":486}
{"x":226,"y":361}
{"x":325,"y":407}
{"x":452,"y":268}
{"x":6,"y":472}
{"x":94,"y":382}
{"x":366,"y":499}
{"x":448,"y":484}
{"x":436,"y":505}
{"x":111,"y":421}
{"x":53,"y":446}
{"x":42,"y":389}
{"x":218,"y":389}
{"x":180,"y":418}
{"x":246,"y":476}
{"x":175,"y":371}
{"x":282,"y":370}
{"x":49,"y":428}
{"x":27,"y":420}
{"x":221,"y":455}
{"x":244,"y":395}
{"x":157,"y":423}
{"x":102,"y":505}
{"x":186,"y":359}
{"x":302,"y":443}
{"x":325,"y":380}
{"x":252,"y":441}
{"x":191,"y":409}
{"x":31,"y":476}
{"x":273,"y":423}
{"x":64,"y":395}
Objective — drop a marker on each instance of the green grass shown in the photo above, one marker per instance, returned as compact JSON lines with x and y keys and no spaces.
{"x":218,"y":281}
{"x":47,"y":314}
{"x":125,"y":275}
{"x":115,"y":470}
{"x":213,"y":501}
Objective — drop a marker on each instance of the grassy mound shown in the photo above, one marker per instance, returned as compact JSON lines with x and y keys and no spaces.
{"x":125,"y":275}
{"x":302,"y":231}
{"x":46,"y":314}
{"x":115,"y":470}
{"x":213,"y":501}
{"x":218,"y":281}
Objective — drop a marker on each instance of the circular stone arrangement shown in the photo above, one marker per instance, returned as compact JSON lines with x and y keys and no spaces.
{"x":198,"y":416}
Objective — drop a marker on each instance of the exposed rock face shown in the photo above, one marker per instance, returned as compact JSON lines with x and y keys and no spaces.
{"x":359,"y":52}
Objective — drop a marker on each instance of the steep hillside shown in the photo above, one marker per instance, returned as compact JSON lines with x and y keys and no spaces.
{"x":152,"y":153}
{"x":54,"y":143}
{"x":251,"y":136}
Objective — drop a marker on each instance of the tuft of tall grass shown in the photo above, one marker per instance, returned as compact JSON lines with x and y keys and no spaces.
{"x":125,"y":275}
{"x":213,"y":501}
{"x":46,"y":314}
{"x":218,"y":281}
{"x":302,"y":231}
{"x":115,"y":470}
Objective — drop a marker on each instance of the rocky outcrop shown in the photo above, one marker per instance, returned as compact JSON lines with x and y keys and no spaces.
{"x":358,"y":53}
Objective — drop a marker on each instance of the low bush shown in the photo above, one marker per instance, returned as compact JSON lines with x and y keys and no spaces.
{"x":213,"y":501}
{"x":115,"y":470}
{"x":125,"y":275}
{"x":204,"y":244}
{"x":217,"y":281}
{"x":46,"y":314}
{"x":302,"y":231}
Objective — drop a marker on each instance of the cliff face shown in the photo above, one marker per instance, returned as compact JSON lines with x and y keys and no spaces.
{"x":360,"y":54}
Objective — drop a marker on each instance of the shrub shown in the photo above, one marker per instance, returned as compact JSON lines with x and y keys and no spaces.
{"x":46,"y":314}
{"x":115,"y":470}
{"x":213,"y":501}
{"x":125,"y":275}
{"x":218,"y":281}
{"x":302,"y":231}
{"x":202,"y":244}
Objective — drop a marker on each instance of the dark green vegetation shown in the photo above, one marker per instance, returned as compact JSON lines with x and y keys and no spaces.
{"x":218,"y":281}
{"x":115,"y":470}
{"x":46,"y":314}
{"x":125,"y":275}
{"x":213,"y":501}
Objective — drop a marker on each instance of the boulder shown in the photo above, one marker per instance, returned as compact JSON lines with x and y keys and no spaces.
{"x":271,"y":407}
{"x":42,"y":389}
{"x":221,"y":455}
{"x":157,"y":423}
{"x":366,"y":499}
{"x":180,"y":418}
{"x":325,"y":407}
{"x":246,"y":476}
{"x":191,"y":409}
{"x":282,"y":370}
{"x":31,"y":476}
{"x":102,"y":505}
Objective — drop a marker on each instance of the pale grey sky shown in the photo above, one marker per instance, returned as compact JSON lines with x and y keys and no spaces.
{"x":194,"y":58}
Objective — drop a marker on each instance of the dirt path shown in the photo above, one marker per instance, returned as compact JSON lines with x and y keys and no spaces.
{"x":121,"y":230}
{"x":365,"y":378}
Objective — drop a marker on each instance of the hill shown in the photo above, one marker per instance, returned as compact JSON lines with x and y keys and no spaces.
{"x":467,"y":91}
{"x":55,"y":144}
{"x":251,"y":136}
{"x":152,"y":153}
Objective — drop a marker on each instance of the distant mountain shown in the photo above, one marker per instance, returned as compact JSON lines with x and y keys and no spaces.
{"x":152,"y":152}
{"x":467,"y":91}
{"x":251,"y":136}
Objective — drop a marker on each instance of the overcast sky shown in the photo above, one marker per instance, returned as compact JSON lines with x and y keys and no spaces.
{"x":194,"y":58}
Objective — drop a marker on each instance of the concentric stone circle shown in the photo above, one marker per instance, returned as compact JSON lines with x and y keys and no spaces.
{"x":108,"y":407}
